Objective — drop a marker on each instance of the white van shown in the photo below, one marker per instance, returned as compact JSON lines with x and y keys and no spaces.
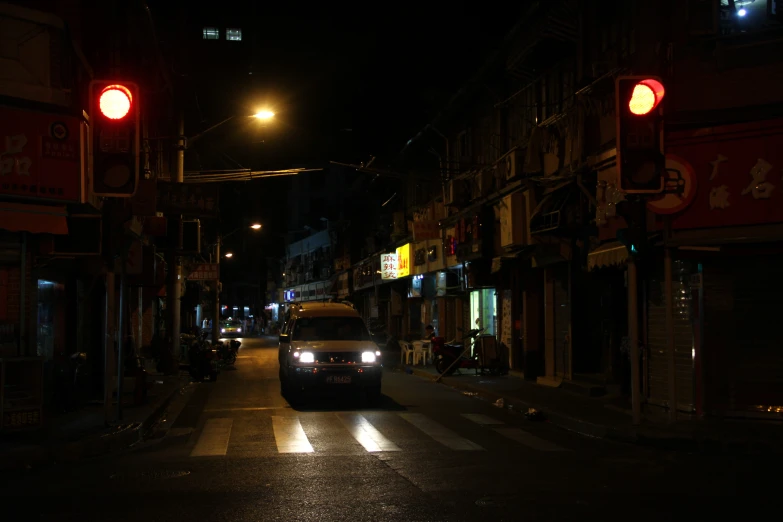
{"x":327,"y":345}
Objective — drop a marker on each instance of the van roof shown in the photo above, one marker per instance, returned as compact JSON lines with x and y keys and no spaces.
{"x":324,"y":309}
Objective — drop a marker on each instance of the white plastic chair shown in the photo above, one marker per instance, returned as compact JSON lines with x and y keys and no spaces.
{"x":420,"y":352}
{"x":406,"y":352}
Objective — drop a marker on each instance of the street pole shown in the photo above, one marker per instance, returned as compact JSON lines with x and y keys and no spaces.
{"x":216,"y":313}
{"x":633,"y":334}
{"x":108,"y":348}
{"x":121,"y":334}
{"x":173,"y":291}
{"x":671,"y":358}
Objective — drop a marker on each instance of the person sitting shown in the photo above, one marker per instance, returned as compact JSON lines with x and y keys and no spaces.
{"x":429,"y":332}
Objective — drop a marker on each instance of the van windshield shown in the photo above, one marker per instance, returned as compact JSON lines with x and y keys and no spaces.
{"x":330,"y":329}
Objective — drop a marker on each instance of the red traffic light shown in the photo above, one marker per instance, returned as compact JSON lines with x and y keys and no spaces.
{"x":646,"y":96}
{"x":115,"y":101}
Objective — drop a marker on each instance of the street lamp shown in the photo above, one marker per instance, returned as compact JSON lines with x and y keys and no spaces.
{"x":229,"y":255}
{"x":264,"y":115}
{"x":261,"y":115}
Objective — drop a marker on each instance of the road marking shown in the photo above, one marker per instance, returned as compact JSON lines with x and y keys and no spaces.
{"x":213,"y":440}
{"x":365,"y":433}
{"x":528,"y":440}
{"x":289,"y":435}
{"x":261,"y":408}
{"x":440,"y":433}
{"x":484,"y":420}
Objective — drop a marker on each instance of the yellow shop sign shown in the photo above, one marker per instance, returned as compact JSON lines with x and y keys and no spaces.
{"x":404,"y":261}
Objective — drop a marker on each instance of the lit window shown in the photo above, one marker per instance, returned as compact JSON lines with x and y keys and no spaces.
{"x":211,"y":33}
{"x":234,"y":35}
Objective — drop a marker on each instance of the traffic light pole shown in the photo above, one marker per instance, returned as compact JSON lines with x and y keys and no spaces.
{"x":216,"y":312}
{"x":633,"y":335}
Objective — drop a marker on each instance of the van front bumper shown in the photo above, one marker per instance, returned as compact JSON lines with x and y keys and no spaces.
{"x":335,"y":377}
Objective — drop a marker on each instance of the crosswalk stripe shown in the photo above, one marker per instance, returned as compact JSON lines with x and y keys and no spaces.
{"x":528,"y":440}
{"x":365,"y":433}
{"x":484,"y":420}
{"x":213,"y":440}
{"x":440,"y":433}
{"x":289,"y":435}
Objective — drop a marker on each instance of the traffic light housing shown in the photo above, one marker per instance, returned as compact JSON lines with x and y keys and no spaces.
{"x":641,"y":160}
{"x":115,"y":137}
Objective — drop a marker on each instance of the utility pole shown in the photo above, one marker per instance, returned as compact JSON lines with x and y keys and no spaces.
{"x":216,"y":312}
{"x":173,"y":292}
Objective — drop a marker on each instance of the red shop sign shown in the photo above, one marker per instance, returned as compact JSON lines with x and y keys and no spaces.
{"x":738,"y":172}
{"x":40,"y":155}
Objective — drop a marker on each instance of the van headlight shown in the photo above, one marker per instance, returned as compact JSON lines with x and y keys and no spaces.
{"x":306,"y":357}
{"x":368,"y":357}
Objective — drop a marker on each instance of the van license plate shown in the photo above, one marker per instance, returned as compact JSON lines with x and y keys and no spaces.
{"x":338,"y":379}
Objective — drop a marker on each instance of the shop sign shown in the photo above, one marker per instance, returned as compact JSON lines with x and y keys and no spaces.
{"x":205,"y":272}
{"x":404,"y":261}
{"x":40,"y":155}
{"x":388,"y":266}
{"x":188,"y":199}
{"x":425,"y":230}
{"x":737,"y":174}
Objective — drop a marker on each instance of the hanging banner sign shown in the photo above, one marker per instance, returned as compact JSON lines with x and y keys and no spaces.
{"x":389,"y":264}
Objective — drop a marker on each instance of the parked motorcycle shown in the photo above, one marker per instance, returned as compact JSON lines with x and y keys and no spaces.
{"x":204,"y":361}
{"x":449,"y":357}
{"x":228,"y":351}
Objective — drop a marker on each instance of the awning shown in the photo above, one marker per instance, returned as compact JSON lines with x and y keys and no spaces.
{"x":609,"y":254}
{"x":36,"y":219}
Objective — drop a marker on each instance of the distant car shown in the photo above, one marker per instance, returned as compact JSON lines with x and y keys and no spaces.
{"x":328,"y":346}
{"x":231,"y":329}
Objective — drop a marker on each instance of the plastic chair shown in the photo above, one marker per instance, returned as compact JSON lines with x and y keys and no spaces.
{"x":420,"y":352}
{"x":406,"y":352}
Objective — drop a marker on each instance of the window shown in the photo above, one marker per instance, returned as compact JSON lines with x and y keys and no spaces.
{"x":235,"y":35}
{"x":211,"y":33}
{"x":330,"y":329}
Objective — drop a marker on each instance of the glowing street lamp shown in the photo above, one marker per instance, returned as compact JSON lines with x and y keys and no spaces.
{"x":256,"y":226}
{"x":264,"y":115}
{"x":229,"y":254}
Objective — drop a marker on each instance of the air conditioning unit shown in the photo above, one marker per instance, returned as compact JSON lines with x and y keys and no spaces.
{"x":309,"y":275}
{"x":483,"y":183}
{"x":511,"y":164}
{"x":456,"y":192}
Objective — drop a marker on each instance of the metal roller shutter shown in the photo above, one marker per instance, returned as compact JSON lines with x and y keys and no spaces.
{"x":743,"y":348}
{"x":562,"y":320}
{"x":657,"y":344}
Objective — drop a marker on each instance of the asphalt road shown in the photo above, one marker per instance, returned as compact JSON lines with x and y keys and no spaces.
{"x":235,"y":450}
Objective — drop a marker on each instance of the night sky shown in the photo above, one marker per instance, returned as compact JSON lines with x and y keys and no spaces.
{"x":346,"y":83}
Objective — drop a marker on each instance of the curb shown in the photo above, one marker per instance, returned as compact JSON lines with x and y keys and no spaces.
{"x":630,"y":435}
{"x":119,"y":438}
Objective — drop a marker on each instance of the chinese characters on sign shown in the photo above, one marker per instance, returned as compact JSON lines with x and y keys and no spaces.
{"x":388,"y":266}
{"x":404,"y":261}
{"x":188,"y":199}
{"x":425,"y":230}
{"x":40,"y":155}
{"x":759,"y":186}
{"x":205,"y":272}
{"x":739,"y":165}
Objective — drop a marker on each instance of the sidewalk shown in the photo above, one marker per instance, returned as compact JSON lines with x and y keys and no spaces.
{"x":83,"y":433}
{"x":609,"y":418}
